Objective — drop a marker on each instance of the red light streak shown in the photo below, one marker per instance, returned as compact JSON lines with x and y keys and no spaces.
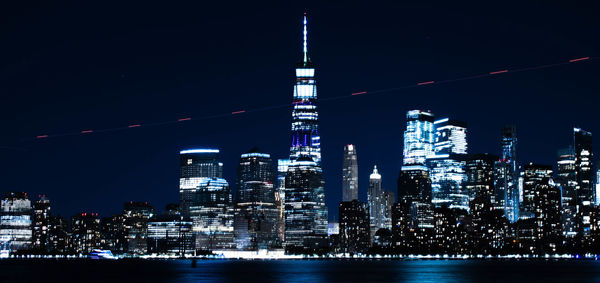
{"x":87,"y":131}
{"x":184,"y":119}
{"x":426,"y":83}
{"x":41,"y":136}
{"x":134,"y":126}
{"x":498,"y":72}
{"x":357,"y":93}
{"x":238,"y":112}
{"x":579,"y":59}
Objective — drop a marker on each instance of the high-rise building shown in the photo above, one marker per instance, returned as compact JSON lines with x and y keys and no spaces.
{"x":419,"y":137}
{"x":212,"y":213}
{"x":354,"y":227}
{"x":506,"y":176}
{"x":306,"y":140}
{"x":447,"y":164}
{"x":389,"y":198}
{"x":196,"y":166}
{"x":597,"y":201}
{"x":547,"y":213}
{"x":170,"y":233}
{"x":376,"y":202}
{"x":15,"y":222}
{"x":41,"y":218}
{"x":282,"y":170}
{"x":350,"y":174}
{"x":584,"y":176}
{"x":533,"y":175}
{"x":566,"y":179}
{"x":113,"y":234}
{"x":480,"y":175}
{"x":414,"y":182}
{"x":305,"y":210}
{"x":256,"y":213}
{"x":136,"y":215}
{"x":58,"y":235}
{"x":85,"y":232}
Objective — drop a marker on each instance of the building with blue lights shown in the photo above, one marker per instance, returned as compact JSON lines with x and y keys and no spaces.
{"x":447,"y":165}
{"x":506,"y":174}
{"x":584,"y":173}
{"x":15,"y":222}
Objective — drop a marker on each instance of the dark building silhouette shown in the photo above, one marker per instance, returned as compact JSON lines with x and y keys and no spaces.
{"x":354,"y":227}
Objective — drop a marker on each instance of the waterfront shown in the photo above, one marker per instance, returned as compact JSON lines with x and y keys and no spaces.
{"x":298,"y":270}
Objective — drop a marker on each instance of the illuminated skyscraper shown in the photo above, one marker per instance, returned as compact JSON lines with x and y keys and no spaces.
{"x":85,"y":232}
{"x":419,"y":137}
{"x":480,"y":175}
{"x":256,"y":213}
{"x":196,"y":166}
{"x":41,"y":219}
{"x":211,"y":211}
{"x":566,"y":179}
{"x":305,"y":128}
{"x":447,"y":165}
{"x":506,"y":176}
{"x":135,"y":217}
{"x":584,"y":175}
{"x":354,"y":227}
{"x":305,"y":210}
{"x":533,"y":175}
{"x":414,"y":182}
{"x":15,"y":222}
{"x":376,"y":202}
{"x":282,"y":169}
{"x":350,"y":174}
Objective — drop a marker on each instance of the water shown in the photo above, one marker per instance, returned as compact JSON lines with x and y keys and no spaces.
{"x":299,"y":271}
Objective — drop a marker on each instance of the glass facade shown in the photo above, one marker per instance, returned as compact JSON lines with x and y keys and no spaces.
{"x":256,"y":212}
{"x":305,"y":210}
{"x":376,"y":202}
{"x":566,"y":179}
{"x":305,"y":127}
{"x":584,"y":176}
{"x":350,"y":174}
{"x":506,"y":175}
{"x":419,"y":137}
{"x":15,"y":222}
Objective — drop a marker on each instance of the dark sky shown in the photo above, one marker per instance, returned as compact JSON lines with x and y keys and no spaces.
{"x":78,"y":65}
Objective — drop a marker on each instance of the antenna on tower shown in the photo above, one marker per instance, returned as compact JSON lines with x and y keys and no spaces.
{"x":305,"y":46}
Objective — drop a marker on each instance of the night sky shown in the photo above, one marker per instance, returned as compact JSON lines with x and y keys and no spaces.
{"x":78,"y":65}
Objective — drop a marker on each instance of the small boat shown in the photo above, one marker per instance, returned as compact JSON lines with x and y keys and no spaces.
{"x":102,"y":254}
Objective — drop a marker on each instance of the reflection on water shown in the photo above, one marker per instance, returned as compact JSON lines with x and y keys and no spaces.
{"x":298,"y":270}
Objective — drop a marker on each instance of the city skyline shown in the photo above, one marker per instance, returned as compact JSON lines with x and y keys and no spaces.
{"x":370,"y":153}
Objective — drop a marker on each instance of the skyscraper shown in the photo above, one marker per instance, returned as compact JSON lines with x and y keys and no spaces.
{"x":584,"y":176}
{"x":350,"y":174}
{"x":15,"y":222}
{"x":305,"y":128}
{"x":533,"y":175}
{"x":376,"y":202}
{"x":41,"y":218}
{"x":196,"y":166}
{"x":414,"y":182}
{"x":566,"y":179}
{"x":506,"y":175}
{"x":354,"y":227}
{"x":480,"y":175}
{"x":135,"y":217}
{"x":305,"y":210}
{"x":447,"y":164}
{"x":282,"y":170}
{"x":211,"y":211}
{"x":85,"y":232}
{"x":256,"y":213}
{"x":419,"y":137}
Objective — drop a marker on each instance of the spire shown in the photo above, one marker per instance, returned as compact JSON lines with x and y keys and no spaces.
{"x":305,"y":46}
{"x":375,"y":174}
